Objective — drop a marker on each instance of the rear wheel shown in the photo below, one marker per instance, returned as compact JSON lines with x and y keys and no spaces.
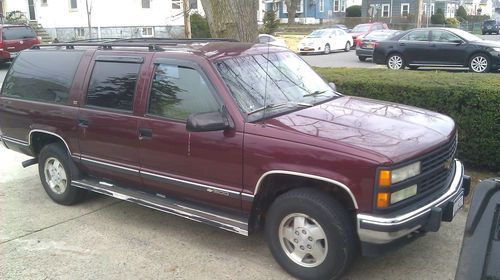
{"x":395,"y":62}
{"x":327,"y":48}
{"x":310,"y":234}
{"x":347,"y":46}
{"x":362,"y":58}
{"x":56,"y":170}
{"x":479,"y":63}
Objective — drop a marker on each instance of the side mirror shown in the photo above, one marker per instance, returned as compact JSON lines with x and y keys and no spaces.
{"x":333,"y":86}
{"x":458,"y":42}
{"x":211,"y":121}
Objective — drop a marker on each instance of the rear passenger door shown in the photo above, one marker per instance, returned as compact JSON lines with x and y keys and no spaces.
{"x":197,"y":166}
{"x":415,"y":47}
{"x":108,"y":137}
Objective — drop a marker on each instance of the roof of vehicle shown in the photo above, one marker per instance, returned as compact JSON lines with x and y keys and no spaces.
{"x":211,"y":50}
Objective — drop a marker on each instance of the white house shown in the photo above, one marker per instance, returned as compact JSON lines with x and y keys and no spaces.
{"x":476,"y":7}
{"x":67,"y":19}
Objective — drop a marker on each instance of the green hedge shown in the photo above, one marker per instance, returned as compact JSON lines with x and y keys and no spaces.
{"x":472,"y":100}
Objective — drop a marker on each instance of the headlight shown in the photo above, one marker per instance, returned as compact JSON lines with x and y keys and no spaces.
{"x":496,"y":49}
{"x":389,"y":177}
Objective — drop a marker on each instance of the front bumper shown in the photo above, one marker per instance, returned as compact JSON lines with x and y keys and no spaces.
{"x":314,"y":49}
{"x":382,"y":230}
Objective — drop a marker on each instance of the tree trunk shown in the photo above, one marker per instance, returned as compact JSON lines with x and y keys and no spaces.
{"x":187,"y":21}
{"x":89,"y":16}
{"x":232,"y":19}
{"x":291,"y":7}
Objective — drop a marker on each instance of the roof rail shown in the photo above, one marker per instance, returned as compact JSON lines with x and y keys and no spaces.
{"x":96,"y":40}
{"x":106,"y":45}
{"x":175,"y":40}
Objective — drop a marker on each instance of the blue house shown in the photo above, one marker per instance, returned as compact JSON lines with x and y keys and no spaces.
{"x":312,"y":11}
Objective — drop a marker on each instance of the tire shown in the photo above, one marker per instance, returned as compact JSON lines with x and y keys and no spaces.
{"x":479,"y":63}
{"x":56,"y":170}
{"x":337,"y":236}
{"x":347,"y":46}
{"x":395,"y":62}
{"x":327,"y":48}
{"x":413,"y":67}
{"x":362,"y":58}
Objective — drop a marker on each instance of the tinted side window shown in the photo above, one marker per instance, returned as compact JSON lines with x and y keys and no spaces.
{"x":178,"y":91}
{"x":443,"y":36}
{"x":18,"y":33}
{"x":112,"y":85}
{"x":417,"y":36}
{"x":264,"y":39}
{"x":42,"y":75}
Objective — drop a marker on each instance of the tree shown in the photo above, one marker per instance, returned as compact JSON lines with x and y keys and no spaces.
{"x":89,"y":6}
{"x":199,"y":26}
{"x":232,"y":19}
{"x":461,"y":13}
{"x":438,"y":17}
{"x":353,"y":11}
{"x":291,"y":8}
{"x":271,"y":23}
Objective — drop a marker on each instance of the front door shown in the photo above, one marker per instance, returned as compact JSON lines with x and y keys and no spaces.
{"x":415,"y":46}
{"x":108,"y":139}
{"x":198,"y":166}
{"x":445,"y":49}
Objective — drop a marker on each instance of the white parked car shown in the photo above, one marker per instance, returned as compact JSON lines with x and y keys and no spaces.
{"x":325,"y":40}
{"x":269,"y":39}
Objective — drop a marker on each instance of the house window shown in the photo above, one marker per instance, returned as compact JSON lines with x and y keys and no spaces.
{"x":44,"y":2}
{"x":176,"y":4}
{"x":386,"y":10}
{"x":321,"y":5}
{"x":147,"y":32}
{"x":80,"y":32}
{"x":342,"y":5}
{"x":146,"y":4}
{"x":336,"y":5}
{"x":73,"y":4}
{"x":405,"y":9}
{"x":193,"y":4}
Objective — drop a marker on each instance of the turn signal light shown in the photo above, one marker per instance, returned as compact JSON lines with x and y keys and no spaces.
{"x":383,"y":200}
{"x":384,"y":178}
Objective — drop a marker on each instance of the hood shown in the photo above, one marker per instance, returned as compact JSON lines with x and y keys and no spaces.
{"x":486,"y":43}
{"x":396,"y":132}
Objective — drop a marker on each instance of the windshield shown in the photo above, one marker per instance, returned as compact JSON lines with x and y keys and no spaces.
{"x":18,"y":33}
{"x":318,"y":34}
{"x":361,"y":28}
{"x":269,"y":84}
{"x":466,"y":35}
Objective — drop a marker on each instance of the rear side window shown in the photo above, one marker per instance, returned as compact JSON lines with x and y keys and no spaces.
{"x":18,"y":33}
{"x":112,"y":85}
{"x":42,"y":75}
{"x":177,"y":92}
{"x":419,"y":35}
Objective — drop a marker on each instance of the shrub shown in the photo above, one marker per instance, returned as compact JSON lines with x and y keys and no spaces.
{"x":461,"y":14}
{"x":353,"y":11}
{"x":270,"y":21}
{"x":452,"y":22}
{"x":199,"y":26}
{"x":472,"y":100}
{"x":438,"y":17}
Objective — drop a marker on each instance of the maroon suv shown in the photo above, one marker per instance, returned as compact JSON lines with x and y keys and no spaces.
{"x":16,"y":38}
{"x":239,"y":136}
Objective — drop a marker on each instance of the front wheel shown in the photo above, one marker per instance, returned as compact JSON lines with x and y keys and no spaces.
{"x":395,"y":62}
{"x":310,"y":234}
{"x":479,"y":63}
{"x":347,"y":46}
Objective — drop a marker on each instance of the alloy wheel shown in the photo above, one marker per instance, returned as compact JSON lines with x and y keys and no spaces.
{"x":395,"y":62}
{"x":55,"y":175}
{"x":303,"y":240}
{"x":479,"y":64}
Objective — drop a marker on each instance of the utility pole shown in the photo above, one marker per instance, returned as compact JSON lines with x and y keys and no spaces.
{"x":187,"y":21}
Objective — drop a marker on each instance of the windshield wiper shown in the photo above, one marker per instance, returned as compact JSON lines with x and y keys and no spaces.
{"x":279,"y":105}
{"x":318,"y":92}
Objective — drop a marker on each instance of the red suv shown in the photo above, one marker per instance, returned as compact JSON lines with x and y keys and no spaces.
{"x":239,"y":136}
{"x":16,"y":38}
{"x":360,"y":30}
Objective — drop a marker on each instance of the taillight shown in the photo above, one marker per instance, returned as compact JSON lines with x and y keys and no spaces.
{"x":375,"y":45}
{"x":1,"y":45}
{"x":358,"y":42}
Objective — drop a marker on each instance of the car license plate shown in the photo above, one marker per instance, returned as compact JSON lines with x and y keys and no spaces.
{"x":306,"y":49}
{"x":369,"y":46}
{"x":458,"y":204}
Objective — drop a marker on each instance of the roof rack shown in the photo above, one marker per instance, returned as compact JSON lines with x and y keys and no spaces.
{"x":153,"y":44}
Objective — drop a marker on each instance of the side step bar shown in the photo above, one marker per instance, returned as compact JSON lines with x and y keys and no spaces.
{"x":230,"y":223}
